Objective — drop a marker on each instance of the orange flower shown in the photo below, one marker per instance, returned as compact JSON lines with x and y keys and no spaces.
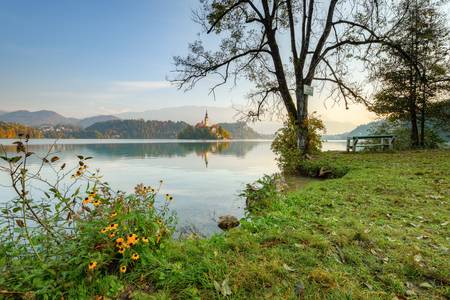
{"x":111,"y":235}
{"x":119,"y":240}
{"x":87,"y":200}
{"x":135,"y":256}
{"x":132,"y":239}
{"x":92,"y":265}
{"x":123,"y":269}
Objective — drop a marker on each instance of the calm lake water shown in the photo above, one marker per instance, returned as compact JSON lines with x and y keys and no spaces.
{"x":204,"y":177}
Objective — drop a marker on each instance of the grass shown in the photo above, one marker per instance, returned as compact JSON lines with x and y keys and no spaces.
{"x":379,"y":232}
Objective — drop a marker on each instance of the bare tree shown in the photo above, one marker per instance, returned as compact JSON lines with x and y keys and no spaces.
{"x":283,"y":47}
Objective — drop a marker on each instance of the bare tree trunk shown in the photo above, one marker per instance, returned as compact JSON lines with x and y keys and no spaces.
{"x":302,"y":119}
{"x":422,"y":123}
{"x":414,"y":129}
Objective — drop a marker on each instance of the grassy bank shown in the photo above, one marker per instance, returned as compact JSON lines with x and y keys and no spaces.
{"x":379,"y":232}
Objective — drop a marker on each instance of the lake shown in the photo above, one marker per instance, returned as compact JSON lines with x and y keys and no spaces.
{"x":205,"y":177}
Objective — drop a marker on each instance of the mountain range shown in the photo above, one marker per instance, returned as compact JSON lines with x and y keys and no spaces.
{"x":48,"y":117}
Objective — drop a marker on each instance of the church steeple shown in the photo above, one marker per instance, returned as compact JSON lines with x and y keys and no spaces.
{"x":205,"y":121}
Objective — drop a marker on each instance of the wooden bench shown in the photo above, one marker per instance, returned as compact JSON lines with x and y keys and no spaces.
{"x":386,"y":142}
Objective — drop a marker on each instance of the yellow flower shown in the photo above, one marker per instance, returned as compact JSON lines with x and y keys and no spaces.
{"x":159,"y":222}
{"x":135,"y":256}
{"x":119,"y":240}
{"x":113,"y":226}
{"x":123,"y":269}
{"x":113,"y":214}
{"x":121,"y":250}
{"x":104,"y":230}
{"x":87,"y":200}
{"x":92,"y":265}
{"x":96,"y":202}
{"x":111,"y":235}
{"x":144,"y":240}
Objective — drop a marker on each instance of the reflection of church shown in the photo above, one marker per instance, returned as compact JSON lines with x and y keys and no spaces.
{"x":212,"y":148}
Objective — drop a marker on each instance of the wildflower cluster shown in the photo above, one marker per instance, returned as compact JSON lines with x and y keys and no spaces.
{"x":124,"y":229}
{"x":78,"y":231}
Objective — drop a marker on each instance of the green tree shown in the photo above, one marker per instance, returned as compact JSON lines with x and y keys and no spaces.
{"x":411,"y":88}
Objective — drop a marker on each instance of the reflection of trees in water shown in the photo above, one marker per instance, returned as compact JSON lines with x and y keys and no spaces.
{"x":142,"y":150}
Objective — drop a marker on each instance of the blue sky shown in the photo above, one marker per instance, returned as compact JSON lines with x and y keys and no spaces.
{"x":89,"y":57}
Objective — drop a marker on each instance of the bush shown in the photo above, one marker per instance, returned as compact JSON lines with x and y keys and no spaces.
{"x":84,"y":238}
{"x":284,"y":145}
{"x":259,"y":194}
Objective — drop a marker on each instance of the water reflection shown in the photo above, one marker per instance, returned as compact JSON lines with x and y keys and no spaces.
{"x":141,"y":150}
{"x":204,"y":177}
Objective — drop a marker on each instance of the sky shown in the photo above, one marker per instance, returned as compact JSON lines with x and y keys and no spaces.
{"x":82,"y":58}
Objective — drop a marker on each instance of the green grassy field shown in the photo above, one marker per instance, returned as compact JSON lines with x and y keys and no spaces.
{"x":379,"y":232}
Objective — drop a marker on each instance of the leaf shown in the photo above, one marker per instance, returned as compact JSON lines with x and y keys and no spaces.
{"x":15,"y":159}
{"x":226,"y":290}
{"x":217,"y":286}
{"x":287,"y":268}
{"x":89,"y":157}
{"x":63,"y":166}
{"x":20,"y":223}
{"x":425,"y":285}
{"x":80,"y":157}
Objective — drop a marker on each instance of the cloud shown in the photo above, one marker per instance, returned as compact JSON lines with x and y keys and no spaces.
{"x":139,"y":86}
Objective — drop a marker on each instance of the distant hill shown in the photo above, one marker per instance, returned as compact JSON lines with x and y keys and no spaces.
{"x":2,"y":112}
{"x":36,"y":118}
{"x":86,"y":122}
{"x":48,"y":117}
{"x":137,"y":129}
{"x":241,"y":130}
{"x":358,"y":131}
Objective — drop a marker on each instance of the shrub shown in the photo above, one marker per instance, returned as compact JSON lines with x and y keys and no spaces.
{"x":258,"y":194}
{"x":285,"y":146}
{"x":83,"y":238}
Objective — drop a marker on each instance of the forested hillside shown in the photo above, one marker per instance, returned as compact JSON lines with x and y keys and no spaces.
{"x":137,"y":129}
{"x":12,"y":130}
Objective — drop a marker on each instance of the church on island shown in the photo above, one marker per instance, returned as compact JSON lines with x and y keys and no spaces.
{"x":204,"y":122}
{"x":203,"y":130}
